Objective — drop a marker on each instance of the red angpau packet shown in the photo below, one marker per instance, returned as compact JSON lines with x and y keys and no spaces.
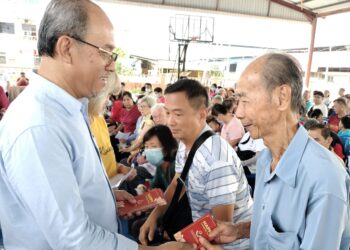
{"x":144,"y":202}
{"x":201,"y":227}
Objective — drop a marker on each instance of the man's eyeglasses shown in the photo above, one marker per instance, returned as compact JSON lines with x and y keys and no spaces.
{"x":107,"y":55}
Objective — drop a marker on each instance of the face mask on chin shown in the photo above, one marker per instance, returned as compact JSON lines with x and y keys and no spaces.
{"x":154,"y":156}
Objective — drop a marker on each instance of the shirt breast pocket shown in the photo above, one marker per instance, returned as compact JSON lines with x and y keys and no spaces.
{"x":279,"y":240}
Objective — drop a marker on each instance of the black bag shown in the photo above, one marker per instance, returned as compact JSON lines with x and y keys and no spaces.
{"x":178,"y":214}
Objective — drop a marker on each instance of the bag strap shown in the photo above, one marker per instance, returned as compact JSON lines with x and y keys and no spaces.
{"x":182,"y":178}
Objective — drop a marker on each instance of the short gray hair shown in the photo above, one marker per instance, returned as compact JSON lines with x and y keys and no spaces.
{"x":62,"y":17}
{"x":218,"y":97}
{"x":158,"y":106}
{"x":147,"y":99}
{"x":279,"y":69}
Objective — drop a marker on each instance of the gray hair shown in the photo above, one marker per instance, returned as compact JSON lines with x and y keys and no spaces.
{"x":218,"y":97}
{"x":157,"y":106}
{"x":279,"y":69}
{"x":62,"y":17}
{"x":147,"y":99}
{"x":310,"y":123}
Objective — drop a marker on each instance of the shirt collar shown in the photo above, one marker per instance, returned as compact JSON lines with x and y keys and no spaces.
{"x":288,"y":165}
{"x":67,"y":101}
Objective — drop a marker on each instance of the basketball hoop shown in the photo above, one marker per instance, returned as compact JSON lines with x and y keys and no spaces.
{"x":186,"y":28}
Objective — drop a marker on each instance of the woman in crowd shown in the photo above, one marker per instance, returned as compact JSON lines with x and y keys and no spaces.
{"x":214,"y":124}
{"x":160,"y":151}
{"x":144,"y":105}
{"x":232,"y":130}
{"x":128,"y":115}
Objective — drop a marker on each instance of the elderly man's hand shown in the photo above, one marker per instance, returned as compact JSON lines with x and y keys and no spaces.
{"x":226,"y":232}
{"x":123,"y":196}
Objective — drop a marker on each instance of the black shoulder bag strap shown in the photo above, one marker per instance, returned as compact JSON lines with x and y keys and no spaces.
{"x":168,"y":216}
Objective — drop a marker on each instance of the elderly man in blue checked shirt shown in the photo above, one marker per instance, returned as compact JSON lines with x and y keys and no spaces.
{"x":54,"y":193}
{"x":301,"y":198}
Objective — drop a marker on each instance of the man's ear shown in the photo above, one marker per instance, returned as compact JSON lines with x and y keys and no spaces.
{"x":203,"y":113}
{"x":64,"y":48}
{"x":284,"y":94}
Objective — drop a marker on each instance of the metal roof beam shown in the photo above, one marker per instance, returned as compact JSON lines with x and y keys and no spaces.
{"x":305,"y":1}
{"x":333,"y":12}
{"x":309,"y":14}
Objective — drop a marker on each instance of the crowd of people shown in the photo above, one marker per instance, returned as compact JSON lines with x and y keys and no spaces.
{"x":269,"y":164}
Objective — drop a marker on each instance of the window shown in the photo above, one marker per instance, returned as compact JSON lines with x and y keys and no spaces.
{"x":2,"y":58}
{"x":233,"y":67}
{"x":29,"y":31}
{"x":8,"y":28}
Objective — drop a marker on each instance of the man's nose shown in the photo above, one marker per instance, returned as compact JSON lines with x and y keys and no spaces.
{"x":111,"y":67}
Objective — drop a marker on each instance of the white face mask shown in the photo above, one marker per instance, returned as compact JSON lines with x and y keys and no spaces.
{"x":154,"y":156}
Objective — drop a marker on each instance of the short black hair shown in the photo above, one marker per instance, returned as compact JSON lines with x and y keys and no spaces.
{"x":229,"y":102}
{"x":218,"y":109}
{"x":325,"y":131}
{"x":166,"y":138}
{"x":127,"y":93}
{"x":212,"y":118}
{"x":195,"y":92}
{"x":319,"y":93}
{"x":123,"y":84}
{"x":346,"y":122}
{"x":316,"y":113}
{"x":341,"y":101}
{"x":158,"y":90}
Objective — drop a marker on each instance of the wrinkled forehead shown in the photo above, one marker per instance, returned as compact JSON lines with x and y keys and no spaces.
{"x":249,"y":83}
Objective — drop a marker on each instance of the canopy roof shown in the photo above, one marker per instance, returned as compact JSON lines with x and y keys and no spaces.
{"x":298,"y":10}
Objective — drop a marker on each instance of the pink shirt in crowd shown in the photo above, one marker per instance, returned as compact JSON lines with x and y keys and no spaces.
{"x":161,"y":99}
{"x":233,"y":130}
